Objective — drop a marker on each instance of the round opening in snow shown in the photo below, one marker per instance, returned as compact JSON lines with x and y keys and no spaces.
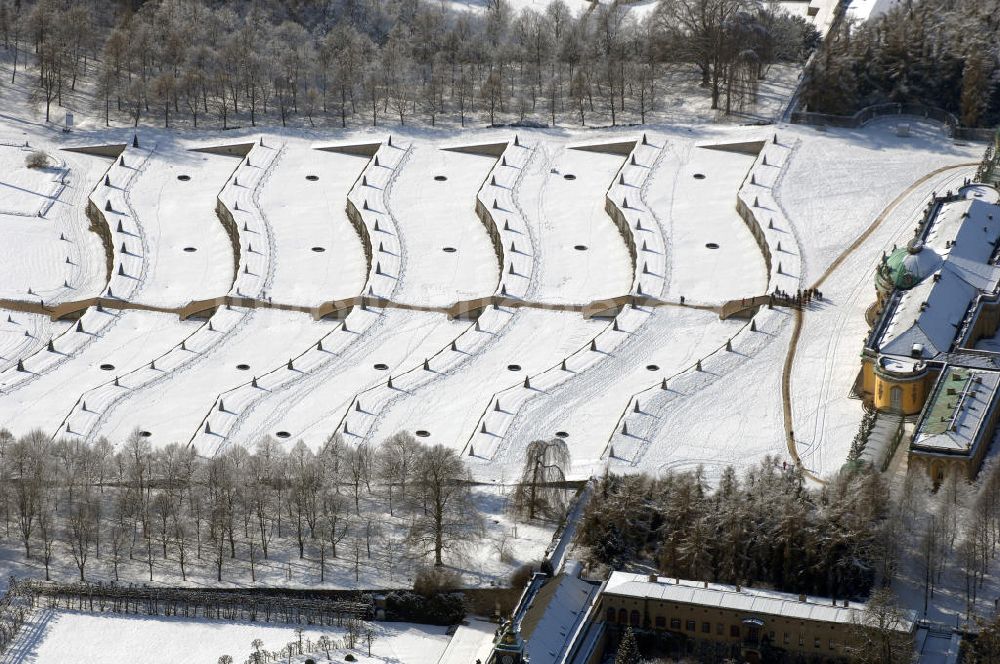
{"x":107,"y":367}
{"x":449,"y":250}
{"x":422,"y":433}
{"x":243,"y":367}
{"x":145,"y":434}
{"x":283,"y":434}
{"x":711,"y":245}
{"x":190,"y":250}
{"x":312,"y":178}
{"x":319,"y":250}
{"x":652,"y":367}
{"x":440,"y":178}
{"x":562,"y":434}
{"x":381,"y":367}
{"x":569,"y":176}
{"x":183,"y":178}
{"x":513,"y":367}
{"x":580,"y":247}
{"x":699,"y":176}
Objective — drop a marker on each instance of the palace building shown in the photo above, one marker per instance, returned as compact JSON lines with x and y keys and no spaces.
{"x":933,"y":352}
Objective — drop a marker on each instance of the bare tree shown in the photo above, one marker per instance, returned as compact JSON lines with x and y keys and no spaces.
{"x":449,"y":515}
{"x":541,"y":490}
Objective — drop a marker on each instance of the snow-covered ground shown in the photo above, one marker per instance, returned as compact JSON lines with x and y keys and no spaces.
{"x":184,"y":249}
{"x":172,"y":408}
{"x":569,"y":213}
{"x":312,"y":233}
{"x":448,"y":255}
{"x":558,"y":244}
{"x":127,"y":339}
{"x":68,"y":637}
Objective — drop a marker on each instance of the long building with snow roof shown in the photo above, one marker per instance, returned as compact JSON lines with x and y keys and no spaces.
{"x":716,"y":621}
{"x":934,"y":347}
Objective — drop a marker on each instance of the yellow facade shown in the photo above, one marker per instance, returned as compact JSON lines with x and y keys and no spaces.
{"x":730,"y":630}
{"x":888,"y":393}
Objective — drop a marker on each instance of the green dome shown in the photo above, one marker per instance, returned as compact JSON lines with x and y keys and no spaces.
{"x":908,"y":266}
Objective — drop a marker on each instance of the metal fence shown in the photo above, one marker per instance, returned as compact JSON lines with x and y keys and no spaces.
{"x":869,"y":113}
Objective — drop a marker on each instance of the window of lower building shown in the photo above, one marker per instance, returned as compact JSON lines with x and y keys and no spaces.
{"x":689,"y":626}
{"x":720,"y":629}
{"x":611,"y":614}
{"x":706,"y":628}
{"x":816,"y":642}
{"x":786,"y":639}
{"x":734,"y":631}
{"x":661,"y":621}
{"x":802,"y":640}
{"x":623,"y":616}
{"x":675,"y":623}
{"x":832,"y":647}
{"x":635,"y":617}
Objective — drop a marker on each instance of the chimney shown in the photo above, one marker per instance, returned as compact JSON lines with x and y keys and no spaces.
{"x":652,"y":578}
{"x":802,"y":598}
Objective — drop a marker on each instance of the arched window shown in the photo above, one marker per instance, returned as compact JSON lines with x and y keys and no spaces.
{"x":635,"y":618}
{"x":611,"y":614}
{"x":623,"y":616}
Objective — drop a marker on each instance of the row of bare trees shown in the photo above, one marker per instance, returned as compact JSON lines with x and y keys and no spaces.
{"x":166,"y":507}
{"x":254,"y":62}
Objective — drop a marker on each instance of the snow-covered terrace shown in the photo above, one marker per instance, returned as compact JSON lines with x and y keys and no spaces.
{"x":307,"y":395}
{"x":126,"y":339}
{"x":184,"y":248}
{"x":448,"y":255}
{"x":580,"y":255}
{"x":304,"y":201}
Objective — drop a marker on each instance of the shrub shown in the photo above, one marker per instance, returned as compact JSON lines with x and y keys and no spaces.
{"x":520,"y":577}
{"x":434,"y":580}
{"x":350,"y":658}
{"x":37,"y":159}
{"x":439,"y":609}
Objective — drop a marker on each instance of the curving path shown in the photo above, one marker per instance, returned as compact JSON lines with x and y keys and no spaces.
{"x":852,"y":297}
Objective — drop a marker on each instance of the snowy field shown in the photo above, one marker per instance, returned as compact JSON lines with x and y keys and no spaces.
{"x":557,"y":228}
{"x":67,"y":637}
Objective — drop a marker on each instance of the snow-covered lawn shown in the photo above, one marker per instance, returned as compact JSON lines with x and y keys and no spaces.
{"x":69,"y":637}
{"x":448,"y":408}
{"x":27,"y":191}
{"x":712,"y":255}
{"x":568,"y":213}
{"x":185,"y":249}
{"x":183,"y":381}
{"x":129,"y":338}
{"x":311,"y":407}
{"x":312,"y":234}
{"x":433,"y":215}
{"x":47,"y":246}
{"x":172,"y":407}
